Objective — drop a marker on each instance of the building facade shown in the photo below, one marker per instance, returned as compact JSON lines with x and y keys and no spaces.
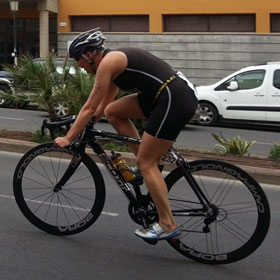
{"x":36,"y":28}
{"x":158,"y":16}
{"x":204,"y":39}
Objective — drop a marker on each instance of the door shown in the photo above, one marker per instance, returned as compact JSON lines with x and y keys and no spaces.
{"x":248,"y":101}
{"x":273,"y":101}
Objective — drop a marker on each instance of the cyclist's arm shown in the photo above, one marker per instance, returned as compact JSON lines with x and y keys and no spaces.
{"x":105,"y":101}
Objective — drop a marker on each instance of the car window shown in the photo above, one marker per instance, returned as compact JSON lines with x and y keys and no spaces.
{"x":276,"y":79}
{"x":60,"y":69}
{"x":246,"y":80}
{"x":60,"y":65}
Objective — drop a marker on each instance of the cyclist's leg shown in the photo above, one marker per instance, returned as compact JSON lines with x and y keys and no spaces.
{"x":119,"y":113}
{"x":150,"y":152}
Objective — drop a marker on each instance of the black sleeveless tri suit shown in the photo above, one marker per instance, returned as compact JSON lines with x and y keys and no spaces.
{"x":166,"y":98}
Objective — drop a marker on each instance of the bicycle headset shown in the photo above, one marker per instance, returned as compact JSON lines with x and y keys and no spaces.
{"x":93,"y":38}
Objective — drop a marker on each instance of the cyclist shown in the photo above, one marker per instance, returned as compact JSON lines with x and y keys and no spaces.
{"x":165,"y":98}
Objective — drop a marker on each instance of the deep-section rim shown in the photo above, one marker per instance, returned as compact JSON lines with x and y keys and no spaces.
{"x":262,"y":224}
{"x":94,"y":171}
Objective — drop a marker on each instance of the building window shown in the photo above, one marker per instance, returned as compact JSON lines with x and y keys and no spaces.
{"x":209,"y":23}
{"x":111,"y":23}
{"x":275,"y":22}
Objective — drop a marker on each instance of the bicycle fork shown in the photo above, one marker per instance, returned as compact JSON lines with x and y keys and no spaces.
{"x":72,"y":167}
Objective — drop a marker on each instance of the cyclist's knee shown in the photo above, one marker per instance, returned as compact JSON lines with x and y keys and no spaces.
{"x":110,"y":113}
{"x":144,"y":165}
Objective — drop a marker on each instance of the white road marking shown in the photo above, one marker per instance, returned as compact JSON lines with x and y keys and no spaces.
{"x":64,"y":206}
{"x":13,"y":119}
{"x":263,"y":143}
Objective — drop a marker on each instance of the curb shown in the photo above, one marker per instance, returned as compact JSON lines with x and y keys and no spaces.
{"x":262,"y":175}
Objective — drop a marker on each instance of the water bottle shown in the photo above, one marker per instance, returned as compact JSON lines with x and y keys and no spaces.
{"x":127,"y":174}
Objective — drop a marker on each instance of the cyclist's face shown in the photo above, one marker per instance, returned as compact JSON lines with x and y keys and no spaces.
{"x":85,"y":63}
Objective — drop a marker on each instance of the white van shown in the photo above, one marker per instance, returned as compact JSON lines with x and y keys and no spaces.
{"x":251,"y":94}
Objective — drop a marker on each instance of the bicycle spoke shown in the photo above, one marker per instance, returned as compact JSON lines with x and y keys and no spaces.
{"x":235,"y":230}
{"x":35,"y":199}
{"x":78,"y":180}
{"x":42,"y":203}
{"x":57,"y":205}
{"x":36,"y":182}
{"x":78,"y":194}
{"x":196,"y":226}
{"x":63,"y":211}
{"x":55,"y":170}
{"x":71,"y":200}
{"x":71,"y":206}
{"x":240,"y":207}
{"x":226,"y":188}
{"x":46,"y":177}
{"x":48,"y":208}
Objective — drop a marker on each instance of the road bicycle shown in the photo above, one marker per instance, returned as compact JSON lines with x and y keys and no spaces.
{"x":223,"y":212}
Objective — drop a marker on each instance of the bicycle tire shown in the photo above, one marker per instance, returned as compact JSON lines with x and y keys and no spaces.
{"x":242,"y":221}
{"x":68,"y":211}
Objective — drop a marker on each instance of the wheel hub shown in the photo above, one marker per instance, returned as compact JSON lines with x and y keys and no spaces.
{"x":214,"y":214}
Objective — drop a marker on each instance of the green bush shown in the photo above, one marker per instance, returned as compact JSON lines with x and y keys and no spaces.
{"x":76,"y":91}
{"x":117,"y":147}
{"x":233,"y":146}
{"x":275,"y":151}
{"x":37,"y":137}
{"x":47,"y":88}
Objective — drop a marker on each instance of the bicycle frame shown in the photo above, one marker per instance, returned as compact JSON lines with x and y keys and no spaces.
{"x":89,"y":137}
{"x":173,"y":156}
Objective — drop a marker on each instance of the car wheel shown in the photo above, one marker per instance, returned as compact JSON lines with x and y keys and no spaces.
{"x":2,"y":102}
{"x":5,"y":89}
{"x":62,"y":110}
{"x":208,"y":114}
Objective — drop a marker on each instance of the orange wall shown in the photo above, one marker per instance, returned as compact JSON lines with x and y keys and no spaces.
{"x":156,"y":8}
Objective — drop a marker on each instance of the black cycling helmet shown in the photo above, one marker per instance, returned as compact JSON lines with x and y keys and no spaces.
{"x":92,"y":38}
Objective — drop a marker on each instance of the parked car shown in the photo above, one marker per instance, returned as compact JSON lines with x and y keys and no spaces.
{"x":28,"y":80}
{"x":251,"y":94}
{"x":6,"y":86}
{"x":59,"y":64}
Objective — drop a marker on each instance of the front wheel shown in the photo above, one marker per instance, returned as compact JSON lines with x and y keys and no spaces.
{"x":237,"y":221}
{"x":61,"y":209}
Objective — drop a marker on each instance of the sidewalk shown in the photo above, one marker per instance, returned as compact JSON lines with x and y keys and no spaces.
{"x":261,"y":174}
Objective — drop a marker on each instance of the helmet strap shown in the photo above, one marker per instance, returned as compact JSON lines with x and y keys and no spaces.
{"x":86,"y":58}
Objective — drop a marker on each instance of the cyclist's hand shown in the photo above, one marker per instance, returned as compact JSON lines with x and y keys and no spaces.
{"x":62,"y":142}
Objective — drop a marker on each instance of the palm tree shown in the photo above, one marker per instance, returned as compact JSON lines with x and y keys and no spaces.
{"x":40,"y":82}
{"x":76,"y":90}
